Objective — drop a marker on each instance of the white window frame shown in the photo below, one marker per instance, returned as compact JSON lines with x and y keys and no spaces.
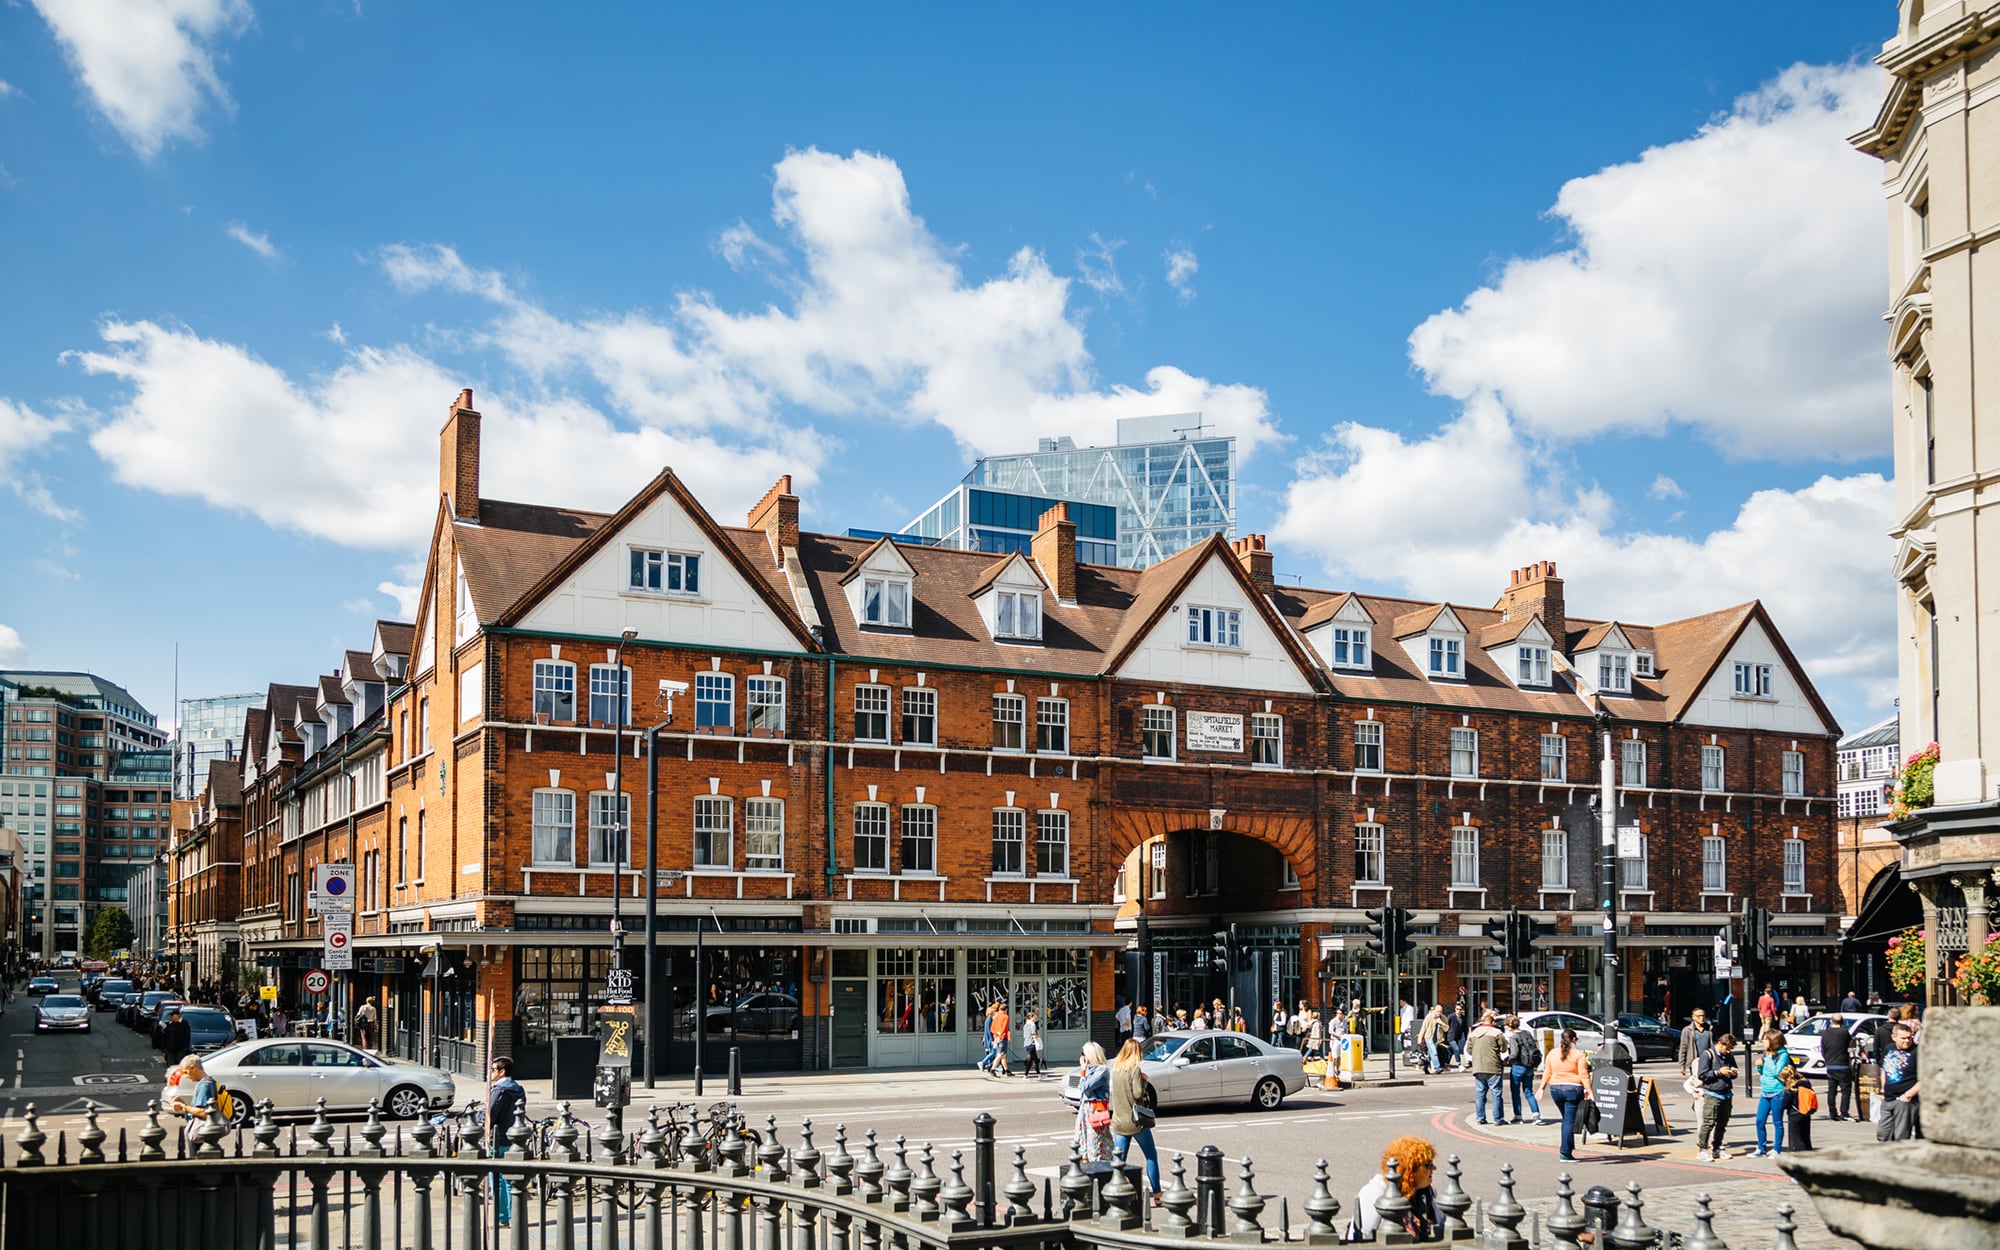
{"x":714,"y":690}
{"x":1633,"y":874}
{"x":1052,"y":845}
{"x":1370,"y":858}
{"x":1465,"y":858}
{"x":1714,"y":864}
{"x":764,"y":703}
{"x":1368,"y":739}
{"x":871,"y":694}
{"x":1714,"y":768}
{"x":1642,"y":664}
{"x":1352,"y":647}
{"x":552,"y":810}
{"x":662,"y":571}
{"x":1010,"y":723}
{"x":1010,"y":842}
{"x":885,"y":601}
{"x":1017,"y":614}
{"x":465,"y":621}
{"x":1555,"y":859}
{"x":1752,"y":680}
{"x":1464,"y":751}
{"x":1156,"y":719}
{"x":1447,"y":657}
{"x":1792,"y":774}
{"x":714,"y":816}
{"x":1555,"y":750}
{"x":1219,"y":628}
{"x":1531,"y":666}
{"x":1614,"y":672}
{"x":1267,"y":737}
{"x":914,"y":697}
{"x":917,"y":828}
{"x":601,"y":834}
{"x":472,"y":692}
{"x":1632,"y":763}
{"x":876,"y":816}
{"x":554,"y":680}
{"x":609,"y":683}
{"x":1795,"y":865}
{"x":1156,"y":879}
{"x":763,"y":834}
{"x":1051,"y":726}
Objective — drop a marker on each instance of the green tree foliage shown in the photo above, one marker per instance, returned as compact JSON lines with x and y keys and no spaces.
{"x":110,"y":931}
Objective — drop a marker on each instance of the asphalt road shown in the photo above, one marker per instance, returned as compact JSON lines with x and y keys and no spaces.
{"x":58,"y":1072}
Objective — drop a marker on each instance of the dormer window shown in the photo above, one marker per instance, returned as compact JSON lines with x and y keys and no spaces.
{"x":1018,"y":614}
{"x":1614,"y":674}
{"x":885,"y":601}
{"x":1532,"y":666}
{"x":1642,"y":664}
{"x":666,"y":572}
{"x":1447,"y":657}
{"x":1215,"y":627}
{"x":1350,"y":647}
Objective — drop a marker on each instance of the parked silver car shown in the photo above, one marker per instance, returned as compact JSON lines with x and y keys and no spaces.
{"x":295,"y":1074}
{"x":1547,"y":1026}
{"x":1210,"y":1066}
{"x":1803,"y":1039}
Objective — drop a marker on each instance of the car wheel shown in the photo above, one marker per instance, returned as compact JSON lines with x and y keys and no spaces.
{"x":243,"y":1107}
{"x":1269,"y":1093}
{"x":406,"y":1102}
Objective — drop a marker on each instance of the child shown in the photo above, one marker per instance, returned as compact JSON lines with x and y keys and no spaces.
{"x":1031,"y":1046}
{"x":1800,"y":1103}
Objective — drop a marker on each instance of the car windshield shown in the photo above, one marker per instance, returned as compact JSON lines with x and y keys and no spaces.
{"x":1163,"y":1048}
{"x":208,"y":1018}
{"x":156,"y":997}
{"x":115,"y":987}
{"x":62,"y":1000}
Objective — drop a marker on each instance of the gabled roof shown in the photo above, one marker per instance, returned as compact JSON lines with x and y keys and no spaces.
{"x":868,"y":558}
{"x":225,"y":783}
{"x":1330,"y":609}
{"x":1604,"y":633}
{"x":1424,"y":620}
{"x":1705,"y":640}
{"x":330,"y":690}
{"x":1160,"y":587}
{"x":515,"y":548}
{"x":1507,"y":631}
{"x":1001,"y":566}
{"x":359,"y":666}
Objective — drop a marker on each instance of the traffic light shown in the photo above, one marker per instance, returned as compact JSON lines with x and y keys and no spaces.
{"x":1381,"y":929}
{"x":1760,"y":934}
{"x":1400,"y":941}
{"x":1220,"y":953}
{"x":1499,"y":934}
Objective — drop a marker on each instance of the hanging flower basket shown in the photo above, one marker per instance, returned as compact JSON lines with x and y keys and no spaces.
{"x":1978,"y":979}
{"x":1906,"y":960}
{"x":1916,"y":784}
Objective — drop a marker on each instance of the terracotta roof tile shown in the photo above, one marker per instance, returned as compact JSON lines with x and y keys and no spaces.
{"x":1410,"y":624}
{"x":514,"y":546}
{"x":1324,"y":609}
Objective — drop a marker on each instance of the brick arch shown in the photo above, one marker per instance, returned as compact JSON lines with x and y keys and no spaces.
{"x":1124,"y":829}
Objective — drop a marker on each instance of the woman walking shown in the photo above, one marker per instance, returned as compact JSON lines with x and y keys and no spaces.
{"x":1566,"y":1078}
{"x":1132,"y":1114}
{"x":1092,"y":1138}
{"x":1772,"y":1060}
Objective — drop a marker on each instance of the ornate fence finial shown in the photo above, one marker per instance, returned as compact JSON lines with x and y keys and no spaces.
{"x":563,"y":1139}
{"x":1179,"y":1202}
{"x":1392,"y":1208}
{"x":1321,"y":1209}
{"x":90,"y":1142}
{"x":1786,"y":1227}
{"x":152,"y":1135}
{"x":806,"y":1159}
{"x":840,"y":1164}
{"x":424,"y":1134}
{"x":1019,"y":1190}
{"x":1504,"y":1217}
{"x":868,"y":1171}
{"x":897,"y":1179}
{"x":1076,"y":1186}
{"x":264,"y":1131}
{"x":1245,"y":1206}
{"x":373,"y":1131}
{"x":1703,"y":1237}
{"x":1119,"y":1200}
{"x":1632,"y":1232}
{"x":771,"y":1155}
{"x":924,"y":1188}
{"x":1453,"y":1202}
{"x":1565,"y":1225}
{"x":956,"y":1196}
{"x":31,"y":1140}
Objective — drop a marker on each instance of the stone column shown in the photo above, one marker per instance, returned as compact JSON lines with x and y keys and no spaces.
{"x":1931,"y":936}
{"x":1975,"y":915}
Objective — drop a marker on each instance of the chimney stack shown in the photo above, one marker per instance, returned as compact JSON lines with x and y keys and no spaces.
{"x":458,"y":458}
{"x":1256,"y":561}
{"x":777,"y":514}
{"x":1054,"y":550}
{"x":1536,"y":591}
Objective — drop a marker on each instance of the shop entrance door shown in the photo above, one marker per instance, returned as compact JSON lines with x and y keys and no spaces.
{"x":850,"y":1024}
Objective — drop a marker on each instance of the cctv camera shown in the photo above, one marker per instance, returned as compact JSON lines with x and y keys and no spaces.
{"x":669,"y":686}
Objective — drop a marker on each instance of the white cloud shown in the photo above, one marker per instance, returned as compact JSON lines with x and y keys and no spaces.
{"x":11,"y":646}
{"x":1182,"y":266}
{"x":1097,"y":265}
{"x":149,"y":65}
{"x":405,"y":595}
{"x":8,"y":89}
{"x":23,"y":431}
{"x":880,"y":322}
{"x":744,"y":250}
{"x":1730,"y":282}
{"x":1816,"y":556}
{"x":210,"y":420}
{"x":256,"y":242}
{"x":335,"y":334}
{"x":1664,"y":487}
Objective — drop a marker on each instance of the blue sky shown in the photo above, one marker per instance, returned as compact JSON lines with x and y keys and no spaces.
{"x":1474,"y":285}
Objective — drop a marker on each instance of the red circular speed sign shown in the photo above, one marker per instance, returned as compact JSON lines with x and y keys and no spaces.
{"x":316,"y":982}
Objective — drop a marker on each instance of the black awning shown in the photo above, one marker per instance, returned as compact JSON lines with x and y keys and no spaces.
{"x":1886,"y":909}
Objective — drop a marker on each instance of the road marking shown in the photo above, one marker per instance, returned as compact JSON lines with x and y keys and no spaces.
{"x":109,"y":1078}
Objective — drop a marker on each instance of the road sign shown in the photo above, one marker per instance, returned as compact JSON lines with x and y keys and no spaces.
{"x":668,"y":876}
{"x":618,"y":987}
{"x":1631,"y":845}
{"x":333,"y":884}
{"x":338,"y":937}
{"x":316,"y":982}
{"x":269,"y":993}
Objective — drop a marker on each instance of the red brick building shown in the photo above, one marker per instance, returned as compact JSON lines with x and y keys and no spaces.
{"x":892,"y":782}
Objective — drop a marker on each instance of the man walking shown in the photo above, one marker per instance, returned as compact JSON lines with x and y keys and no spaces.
{"x":1487,"y":1045}
{"x":1899,"y":1086}
{"x":1002,"y":1034}
{"x":1455,"y":1032}
{"x":1716,"y":1070}
{"x":1836,"y":1047}
{"x":1850,"y":1006}
{"x":504,"y":1101}
{"x":1121,"y":1020}
{"x":1696,"y":1041}
{"x":176,"y":1038}
{"x":1767,"y":1010}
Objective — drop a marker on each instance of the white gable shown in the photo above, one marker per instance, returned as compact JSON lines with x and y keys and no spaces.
{"x":1018,"y":575}
{"x":1787,"y":710}
{"x":1506,"y":656}
{"x":1261,"y":662}
{"x":598,"y":598}
{"x":1349,"y":614}
{"x":883,"y":561}
{"x":1445,"y":625}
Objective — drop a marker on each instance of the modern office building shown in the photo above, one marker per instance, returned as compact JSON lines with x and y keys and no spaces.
{"x":208,"y":730}
{"x":1167,"y":487}
{"x":85,"y":783}
{"x":1938,"y":138}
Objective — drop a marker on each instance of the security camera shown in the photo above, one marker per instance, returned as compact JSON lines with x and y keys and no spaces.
{"x":669,"y":686}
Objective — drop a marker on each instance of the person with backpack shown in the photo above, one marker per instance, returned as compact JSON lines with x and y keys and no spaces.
{"x":505,"y":1101}
{"x":1800,"y":1102}
{"x":1524,"y":1055}
{"x":207,"y":1104}
{"x":1716,"y":1070}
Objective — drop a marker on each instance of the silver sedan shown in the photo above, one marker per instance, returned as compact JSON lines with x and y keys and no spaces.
{"x":295,"y":1074}
{"x":1208,"y":1066}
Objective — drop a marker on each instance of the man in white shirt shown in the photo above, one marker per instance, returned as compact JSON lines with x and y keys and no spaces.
{"x":1406,"y":1023}
{"x":1122,"y":1021}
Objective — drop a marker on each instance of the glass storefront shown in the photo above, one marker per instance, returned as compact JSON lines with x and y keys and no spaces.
{"x":927,"y":1006}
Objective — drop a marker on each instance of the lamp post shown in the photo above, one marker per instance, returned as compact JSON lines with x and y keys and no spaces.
{"x":1608,"y":873}
{"x":653,"y":886}
{"x":614,"y":1115}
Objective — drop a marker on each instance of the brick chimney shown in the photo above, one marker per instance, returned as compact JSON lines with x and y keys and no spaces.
{"x":1536,"y":590}
{"x":1054,"y":550}
{"x":458,"y":458}
{"x":1255,"y":558}
{"x":777,"y":514}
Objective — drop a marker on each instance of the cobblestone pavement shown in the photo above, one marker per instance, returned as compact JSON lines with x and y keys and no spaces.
{"x":1745,"y":1211}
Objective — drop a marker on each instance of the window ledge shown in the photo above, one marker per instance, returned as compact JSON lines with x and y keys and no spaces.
{"x":670,"y":596}
{"x":1268,"y":768}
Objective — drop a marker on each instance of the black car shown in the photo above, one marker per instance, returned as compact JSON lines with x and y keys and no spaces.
{"x":1650,"y":1038}
{"x":105,"y":994}
{"x":149,"y":1009}
{"x":42,"y":985}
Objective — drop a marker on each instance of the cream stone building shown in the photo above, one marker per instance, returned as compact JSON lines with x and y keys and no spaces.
{"x":1938,"y":138}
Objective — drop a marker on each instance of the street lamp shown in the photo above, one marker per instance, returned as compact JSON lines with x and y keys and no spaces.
{"x":1608,"y":874}
{"x":619,"y":847}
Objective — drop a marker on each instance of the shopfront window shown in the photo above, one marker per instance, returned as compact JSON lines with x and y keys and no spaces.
{"x":553,"y":989}
{"x":916,"y":991}
{"x":458,"y":1000}
{"x":751,"y":995}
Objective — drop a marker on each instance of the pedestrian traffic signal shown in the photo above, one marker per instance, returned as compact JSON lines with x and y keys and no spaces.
{"x":1498,"y":932}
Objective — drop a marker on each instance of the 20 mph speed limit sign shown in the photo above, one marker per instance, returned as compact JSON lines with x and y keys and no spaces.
{"x":316,"y":982}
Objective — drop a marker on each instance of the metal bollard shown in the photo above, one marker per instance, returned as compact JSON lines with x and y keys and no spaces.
{"x":1208,"y":1188}
{"x":1600,"y":1210}
{"x":982,"y":1168}
{"x":736,"y":1072}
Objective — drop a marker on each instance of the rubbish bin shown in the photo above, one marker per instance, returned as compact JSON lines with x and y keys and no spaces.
{"x":575,"y":1067}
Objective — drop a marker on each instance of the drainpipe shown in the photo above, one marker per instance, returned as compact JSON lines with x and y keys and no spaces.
{"x":832,"y":843}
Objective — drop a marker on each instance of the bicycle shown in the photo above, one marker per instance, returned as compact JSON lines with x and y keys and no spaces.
{"x":711,"y":1129}
{"x":467,"y":1123}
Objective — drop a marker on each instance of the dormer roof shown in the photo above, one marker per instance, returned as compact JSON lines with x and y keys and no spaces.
{"x":883,"y":556}
{"x":1602,"y":634}
{"x":1000,"y":568}
{"x":1504,"y":632}
{"x":1437,"y":618}
{"x":1347,"y":607}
